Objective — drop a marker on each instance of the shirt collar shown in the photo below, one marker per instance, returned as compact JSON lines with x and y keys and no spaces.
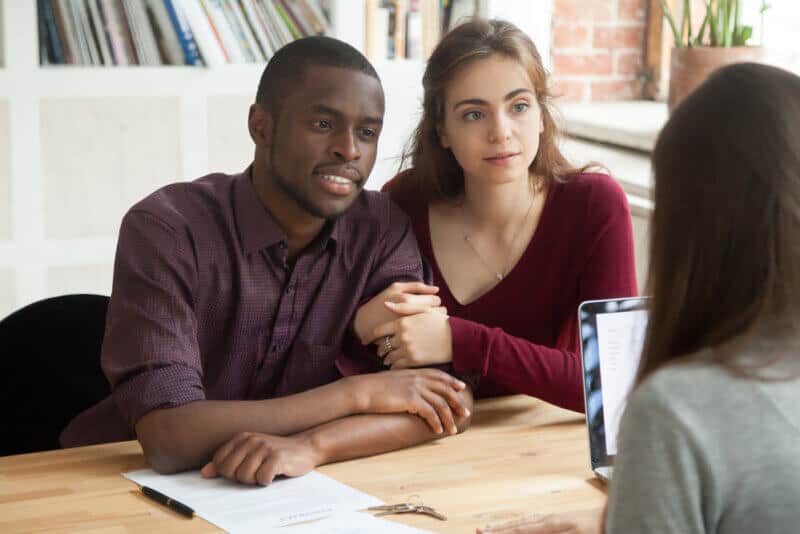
{"x":258,"y":229}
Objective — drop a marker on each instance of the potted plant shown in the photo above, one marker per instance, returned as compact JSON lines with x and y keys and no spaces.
{"x":720,"y":40}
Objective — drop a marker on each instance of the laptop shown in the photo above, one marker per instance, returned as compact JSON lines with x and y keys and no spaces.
{"x":612,"y":335}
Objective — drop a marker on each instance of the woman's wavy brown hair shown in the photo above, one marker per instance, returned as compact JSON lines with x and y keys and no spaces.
{"x":725,"y":230}
{"x":437,"y":174}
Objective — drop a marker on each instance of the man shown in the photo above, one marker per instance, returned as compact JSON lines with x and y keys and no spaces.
{"x":233,"y":295}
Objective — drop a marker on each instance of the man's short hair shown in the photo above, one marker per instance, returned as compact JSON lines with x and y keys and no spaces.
{"x":290,"y":62}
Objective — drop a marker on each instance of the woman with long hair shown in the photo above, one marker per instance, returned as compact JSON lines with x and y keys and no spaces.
{"x":709,"y":438}
{"x":515,"y":236}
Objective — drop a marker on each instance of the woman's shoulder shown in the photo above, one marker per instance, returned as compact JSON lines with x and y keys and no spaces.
{"x":674,"y":386}
{"x":403,"y":189}
{"x":595,"y":194}
{"x":597,"y":185}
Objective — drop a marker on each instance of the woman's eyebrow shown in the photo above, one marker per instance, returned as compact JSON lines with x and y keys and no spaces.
{"x":481,"y":102}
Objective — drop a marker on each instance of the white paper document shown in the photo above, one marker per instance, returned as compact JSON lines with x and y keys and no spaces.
{"x":352,"y":523}
{"x":620,"y":337}
{"x":238,"y":508}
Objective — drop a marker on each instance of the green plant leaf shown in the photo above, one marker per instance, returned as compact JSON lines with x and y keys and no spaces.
{"x":671,"y":20}
{"x":742,"y":35}
{"x":698,"y":41}
{"x":687,"y":19}
{"x":713,"y":36}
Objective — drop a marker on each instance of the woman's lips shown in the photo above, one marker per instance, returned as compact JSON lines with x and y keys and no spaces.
{"x":503,"y":158}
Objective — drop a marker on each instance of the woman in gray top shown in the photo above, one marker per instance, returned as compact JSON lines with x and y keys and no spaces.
{"x":710,"y":439}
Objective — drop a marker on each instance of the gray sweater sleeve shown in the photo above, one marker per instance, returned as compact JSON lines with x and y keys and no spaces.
{"x":659,"y":470}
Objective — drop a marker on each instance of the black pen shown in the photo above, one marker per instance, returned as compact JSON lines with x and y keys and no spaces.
{"x":172,"y":504}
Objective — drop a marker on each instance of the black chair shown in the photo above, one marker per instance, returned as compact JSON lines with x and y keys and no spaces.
{"x":50,"y":369}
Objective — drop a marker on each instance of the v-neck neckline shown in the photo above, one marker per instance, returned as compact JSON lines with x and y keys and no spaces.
{"x":445,"y":286}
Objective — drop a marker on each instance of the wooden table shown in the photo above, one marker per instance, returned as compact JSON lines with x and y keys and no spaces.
{"x":520,"y":456}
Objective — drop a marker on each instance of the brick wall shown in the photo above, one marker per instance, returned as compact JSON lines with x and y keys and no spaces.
{"x":597,"y":49}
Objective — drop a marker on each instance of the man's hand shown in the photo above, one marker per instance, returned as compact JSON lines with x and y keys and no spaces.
{"x":582,"y":522}
{"x":417,"y":341}
{"x":429,"y":393}
{"x":253,"y":458}
{"x":400,"y":298}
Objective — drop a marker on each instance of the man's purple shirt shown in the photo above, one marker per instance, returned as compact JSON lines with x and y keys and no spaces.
{"x":205,"y":306}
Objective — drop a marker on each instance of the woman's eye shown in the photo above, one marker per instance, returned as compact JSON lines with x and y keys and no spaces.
{"x":520,"y":107}
{"x":472,"y":115}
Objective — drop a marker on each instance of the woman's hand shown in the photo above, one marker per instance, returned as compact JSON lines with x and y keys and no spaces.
{"x":415,"y":341}
{"x":399,"y":299}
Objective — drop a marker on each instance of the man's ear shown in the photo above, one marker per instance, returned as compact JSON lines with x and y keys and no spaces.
{"x":259,"y":122}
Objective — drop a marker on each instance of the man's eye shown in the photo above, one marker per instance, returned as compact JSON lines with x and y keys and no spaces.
{"x":368,"y":132}
{"x":323,"y":124}
{"x":472,"y":115}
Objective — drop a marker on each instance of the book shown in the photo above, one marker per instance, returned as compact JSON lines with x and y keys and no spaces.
{"x":219,"y":21}
{"x":272,"y":33}
{"x":166,"y":35}
{"x":257,"y":26}
{"x":54,"y":48}
{"x":82,"y":17}
{"x":282,"y":33}
{"x":74,"y":29}
{"x":135,"y":33}
{"x":294,"y":13}
{"x":63,"y":35}
{"x":46,"y":53}
{"x":242,"y":31}
{"x":127,"y":33}
{"x":207,"y":42}
{"x":287,"y":21}
{"x":191,"y":54}
{"x":119,"y":48}
{"x":319,"y":24}
{"x":99,"y":32}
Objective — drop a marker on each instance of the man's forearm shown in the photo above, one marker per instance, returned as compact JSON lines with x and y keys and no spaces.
{"x":365,"y":435}
{"x":176,"y":439}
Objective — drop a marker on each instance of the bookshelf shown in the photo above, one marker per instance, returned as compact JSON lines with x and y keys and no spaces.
{"x":79,"y":145}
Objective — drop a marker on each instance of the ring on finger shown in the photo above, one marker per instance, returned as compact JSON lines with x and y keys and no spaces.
{"x":387,"y":345}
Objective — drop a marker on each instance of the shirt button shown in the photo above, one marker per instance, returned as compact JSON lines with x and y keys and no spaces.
{"x":290,"y":288}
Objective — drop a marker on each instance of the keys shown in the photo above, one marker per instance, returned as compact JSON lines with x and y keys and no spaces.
{"x":427,"y":510}
{"x":411,"y":506}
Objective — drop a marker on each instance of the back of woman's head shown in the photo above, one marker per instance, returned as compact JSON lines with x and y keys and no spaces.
{"x":725,"y":232}
{"x":439,"y":174}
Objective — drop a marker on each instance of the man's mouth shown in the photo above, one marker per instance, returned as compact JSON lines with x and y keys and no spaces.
{"x":335,"y":179}
{"x":336,"y":184}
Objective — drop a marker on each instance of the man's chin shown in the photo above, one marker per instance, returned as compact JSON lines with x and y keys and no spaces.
{"x":331,"y":213}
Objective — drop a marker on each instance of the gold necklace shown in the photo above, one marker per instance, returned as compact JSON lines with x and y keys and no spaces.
{"x":500,"y":274}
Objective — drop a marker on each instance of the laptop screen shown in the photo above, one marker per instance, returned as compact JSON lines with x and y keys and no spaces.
{"x":612,"y":335}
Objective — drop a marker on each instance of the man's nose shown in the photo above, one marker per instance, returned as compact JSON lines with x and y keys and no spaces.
{"x":345,"y":146}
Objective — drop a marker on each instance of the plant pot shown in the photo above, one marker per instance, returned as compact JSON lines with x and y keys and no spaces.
{"x":689,"y":67}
